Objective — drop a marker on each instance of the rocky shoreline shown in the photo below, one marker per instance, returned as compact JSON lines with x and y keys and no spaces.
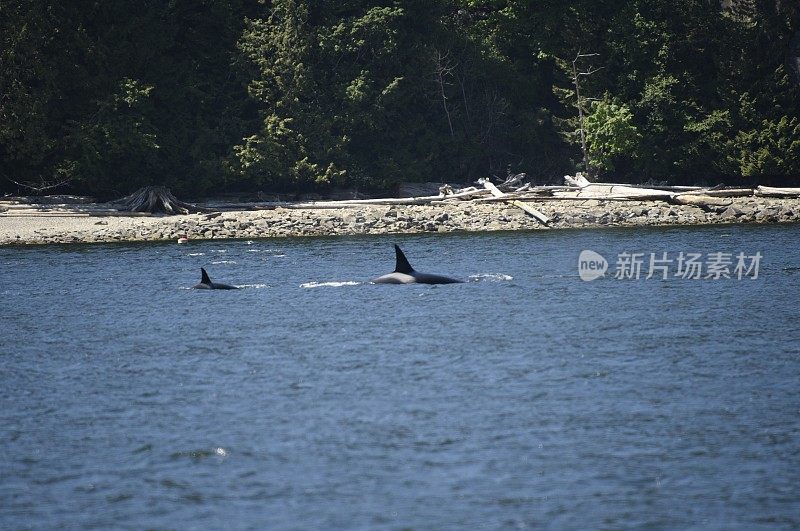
{"x":75,"y":227}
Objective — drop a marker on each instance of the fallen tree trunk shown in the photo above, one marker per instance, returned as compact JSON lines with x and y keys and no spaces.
{"x":616,"y":192}
{"x":365,"y":202}
{"x":155,"y":199}
{"x":597,"y":191}
{"x":406,"y":190}
{"x":768,"y":191}
{"x":721,"y":192}
{"x":519,"y":204}
{"x":700,"y":200}
{"x":424,"y":200}
{"x":579,"y":181}
{"x":535,"y":197}
{"x":660,"y":188}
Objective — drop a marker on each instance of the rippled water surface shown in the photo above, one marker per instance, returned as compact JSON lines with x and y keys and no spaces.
{"x":310,"y":399}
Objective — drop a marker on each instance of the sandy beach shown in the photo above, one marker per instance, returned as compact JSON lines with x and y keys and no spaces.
{"x":44,"y":224}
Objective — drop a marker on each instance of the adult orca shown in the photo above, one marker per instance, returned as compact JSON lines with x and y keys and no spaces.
{"x":404,"y":274}
{"x":205,"y":283}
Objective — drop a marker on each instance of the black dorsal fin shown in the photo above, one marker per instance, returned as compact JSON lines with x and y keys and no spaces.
{"x":205,"y":279}
{"x":401,"y":264}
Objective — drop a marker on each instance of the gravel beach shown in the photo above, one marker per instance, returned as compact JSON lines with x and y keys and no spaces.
{"x":46,"y":225}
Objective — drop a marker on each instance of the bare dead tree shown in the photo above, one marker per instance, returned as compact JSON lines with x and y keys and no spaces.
{"x":793,"y":56}
{"x":461,"y":77}
{"x":494,"y":108}
{"x":444,"y":68}
{"x":43,"y":185}
{"x":576,"y":80}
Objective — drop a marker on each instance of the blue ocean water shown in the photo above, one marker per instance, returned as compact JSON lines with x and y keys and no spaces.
{"x":523,"y":398}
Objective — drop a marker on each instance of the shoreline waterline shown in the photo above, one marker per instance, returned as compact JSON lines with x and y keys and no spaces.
{"x":65,"y":226}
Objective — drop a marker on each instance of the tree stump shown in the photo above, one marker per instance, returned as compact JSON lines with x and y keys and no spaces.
{"x":155,"y":199}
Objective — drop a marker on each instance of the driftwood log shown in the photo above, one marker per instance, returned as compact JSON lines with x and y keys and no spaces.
{"x":155,"y":199}
{"x":705,"y":202}
{"x":425,"y":200}
{"x":768,"y":191}
{"x":519,"y":204}
{"x":514,"y":191}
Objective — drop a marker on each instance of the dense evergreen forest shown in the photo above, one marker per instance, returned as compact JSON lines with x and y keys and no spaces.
{"x":211,"y":96}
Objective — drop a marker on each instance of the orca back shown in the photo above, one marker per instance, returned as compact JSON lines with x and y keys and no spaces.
{"x":205,"y":282}
{"x":405,"y":274}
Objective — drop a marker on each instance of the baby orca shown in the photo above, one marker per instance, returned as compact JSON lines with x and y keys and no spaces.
{"x":405,"y":274}
{"x":205,"y":283}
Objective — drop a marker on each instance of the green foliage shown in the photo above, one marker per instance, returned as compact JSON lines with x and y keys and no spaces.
{"x":214,"y":95}
{"x":772,"y":149}
{"x":610,"y":133}
{"x":109,"y":96}
{"x":118,"y":131}
{"x":322,"y":87}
